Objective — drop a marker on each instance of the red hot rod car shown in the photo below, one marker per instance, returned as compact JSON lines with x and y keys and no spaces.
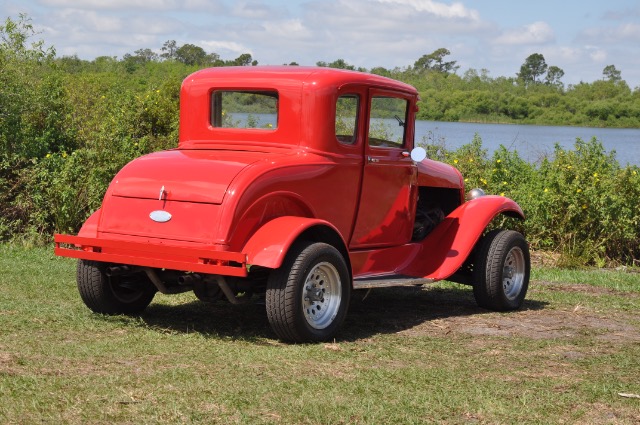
{"x":301,"y":184}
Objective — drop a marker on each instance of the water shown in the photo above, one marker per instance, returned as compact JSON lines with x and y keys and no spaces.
{"x":532,"y":142}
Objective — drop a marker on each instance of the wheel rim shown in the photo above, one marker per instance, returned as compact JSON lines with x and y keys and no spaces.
{"x":321,"y":295}
{"x":513,"y":273}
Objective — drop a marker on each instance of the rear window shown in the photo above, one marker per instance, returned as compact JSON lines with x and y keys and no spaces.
{"x":244,"y":109}
{"x":347,"y":118}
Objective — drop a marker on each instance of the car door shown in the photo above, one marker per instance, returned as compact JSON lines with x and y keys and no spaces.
{"x":387,"y":201}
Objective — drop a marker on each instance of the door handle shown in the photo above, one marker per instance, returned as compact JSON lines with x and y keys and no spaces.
{"x":372,"y":160}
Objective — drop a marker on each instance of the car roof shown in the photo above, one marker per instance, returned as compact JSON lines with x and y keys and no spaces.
{"x":287,"y":75}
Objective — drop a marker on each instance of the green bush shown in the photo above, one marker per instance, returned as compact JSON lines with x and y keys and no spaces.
{"x":580,"y":203}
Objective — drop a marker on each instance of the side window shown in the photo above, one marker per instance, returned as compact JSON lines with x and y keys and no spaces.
{"x":347,"y":118}
{"x":244,"y":109}
{"x":387,"y":120}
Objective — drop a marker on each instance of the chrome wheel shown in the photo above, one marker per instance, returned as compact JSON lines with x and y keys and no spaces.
{"x":513,"y":273}
{"x":321,"y":295}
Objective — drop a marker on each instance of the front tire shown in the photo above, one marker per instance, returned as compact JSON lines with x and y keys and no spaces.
{"x":501,"y":271}
{"x":104,"y":294}
{"x":308,"y":296}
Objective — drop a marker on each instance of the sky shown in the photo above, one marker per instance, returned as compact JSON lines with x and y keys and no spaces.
{"x":579,"y":36}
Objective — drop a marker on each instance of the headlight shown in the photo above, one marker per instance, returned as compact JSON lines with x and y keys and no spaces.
{"x":475,"y":193}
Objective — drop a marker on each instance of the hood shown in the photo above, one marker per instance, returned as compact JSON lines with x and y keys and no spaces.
{"x":200,"y":176}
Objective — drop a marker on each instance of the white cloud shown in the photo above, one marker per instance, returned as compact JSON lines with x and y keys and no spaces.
{"x":535,"y":33}
{"x":287,"y":29}
{"x":596,"y":54}
{"x":252,"y":10}
{"x":455,"y":10}
{"x":149,"y":5}
{"x":222,"y":47}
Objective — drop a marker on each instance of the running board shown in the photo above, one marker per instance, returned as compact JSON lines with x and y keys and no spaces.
{"x":388,"y":281}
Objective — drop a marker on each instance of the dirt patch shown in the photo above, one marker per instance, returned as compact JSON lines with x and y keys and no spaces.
{"x":536,"y":324}
{"x":443,"y":312}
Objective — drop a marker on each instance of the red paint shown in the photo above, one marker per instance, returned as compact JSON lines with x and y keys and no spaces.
{"x":240,"y":197}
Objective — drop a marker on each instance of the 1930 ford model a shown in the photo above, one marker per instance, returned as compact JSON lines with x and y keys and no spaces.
{"x":299,"y":183}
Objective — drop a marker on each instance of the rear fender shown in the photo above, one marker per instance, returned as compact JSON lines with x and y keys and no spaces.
{"x":445,"y":250}
{"x":269,"y":245}
{"x":90,"y":227}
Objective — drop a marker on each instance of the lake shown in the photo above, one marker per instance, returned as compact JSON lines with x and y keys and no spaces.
{"x":531,"y":142}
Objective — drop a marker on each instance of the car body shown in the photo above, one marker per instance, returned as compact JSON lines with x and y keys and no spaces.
{"x":301,"y":183}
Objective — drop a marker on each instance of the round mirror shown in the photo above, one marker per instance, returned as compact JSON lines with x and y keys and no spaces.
{"x":418,"y":154}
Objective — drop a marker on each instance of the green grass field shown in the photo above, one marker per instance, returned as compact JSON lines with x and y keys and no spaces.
{"x":406,"y":356}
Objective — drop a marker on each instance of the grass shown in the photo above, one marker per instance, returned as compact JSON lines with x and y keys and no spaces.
{"x":404,"y":356}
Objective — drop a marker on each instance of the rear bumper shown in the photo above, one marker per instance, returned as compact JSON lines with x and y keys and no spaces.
{"x":153,"y":255}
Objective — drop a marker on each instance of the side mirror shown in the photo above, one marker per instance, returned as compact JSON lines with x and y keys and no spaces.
{"x":418,"y":154}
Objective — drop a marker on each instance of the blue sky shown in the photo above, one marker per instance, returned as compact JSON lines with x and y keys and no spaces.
{"x":581,"y":37}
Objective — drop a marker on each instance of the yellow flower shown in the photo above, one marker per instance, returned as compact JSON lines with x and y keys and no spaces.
{"x":466,"y":180}
{"x":579,"y":190}
{"x":595,"y":174}
{"x":48,"y":155}
{"x":504,"y":183}
{"x":64,"y":154}
{"x":501,"y":193}
{"x":470,"y":159}
{"x":499,"y":161}
{"x":546,"y":190}
{"x":584,"y":206}
{"x":455,"y":161}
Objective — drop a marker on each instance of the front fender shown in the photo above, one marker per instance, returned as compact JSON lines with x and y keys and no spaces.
{"x":269,"y":245}
{"x":445,"y":249}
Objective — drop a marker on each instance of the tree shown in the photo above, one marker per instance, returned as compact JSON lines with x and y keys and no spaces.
{"x":169,"y":48}
{"x":532,"y":69}
{"x":244,"y":59}
{"x":190,"y":54}
{"x":140,"y":57}
{"x":554,"y":74}
{"x":435,"y":62}
{"x":338,"y":63}
{"x":611,"y":73}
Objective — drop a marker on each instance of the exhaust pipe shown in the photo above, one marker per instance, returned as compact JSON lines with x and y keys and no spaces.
{"x":120,"y":270}
{"x":189,"y":279}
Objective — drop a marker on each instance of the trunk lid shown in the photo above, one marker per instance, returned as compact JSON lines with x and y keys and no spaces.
{"x":173,"y":195}
{"x":200,"y":176}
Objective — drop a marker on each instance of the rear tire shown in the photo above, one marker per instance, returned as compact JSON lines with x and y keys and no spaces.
{"x":129,"y":294}
{"x":308,"y":296}
{"x":501,"y":270}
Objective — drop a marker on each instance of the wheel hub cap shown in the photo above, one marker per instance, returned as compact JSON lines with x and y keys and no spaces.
{"x":321,"y":295}
{"x":513,"y":273}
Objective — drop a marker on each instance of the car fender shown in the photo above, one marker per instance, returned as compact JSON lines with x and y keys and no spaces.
{"x":90,"y":227}
{"x":268,"y":246}
{"x":445,"y":249}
